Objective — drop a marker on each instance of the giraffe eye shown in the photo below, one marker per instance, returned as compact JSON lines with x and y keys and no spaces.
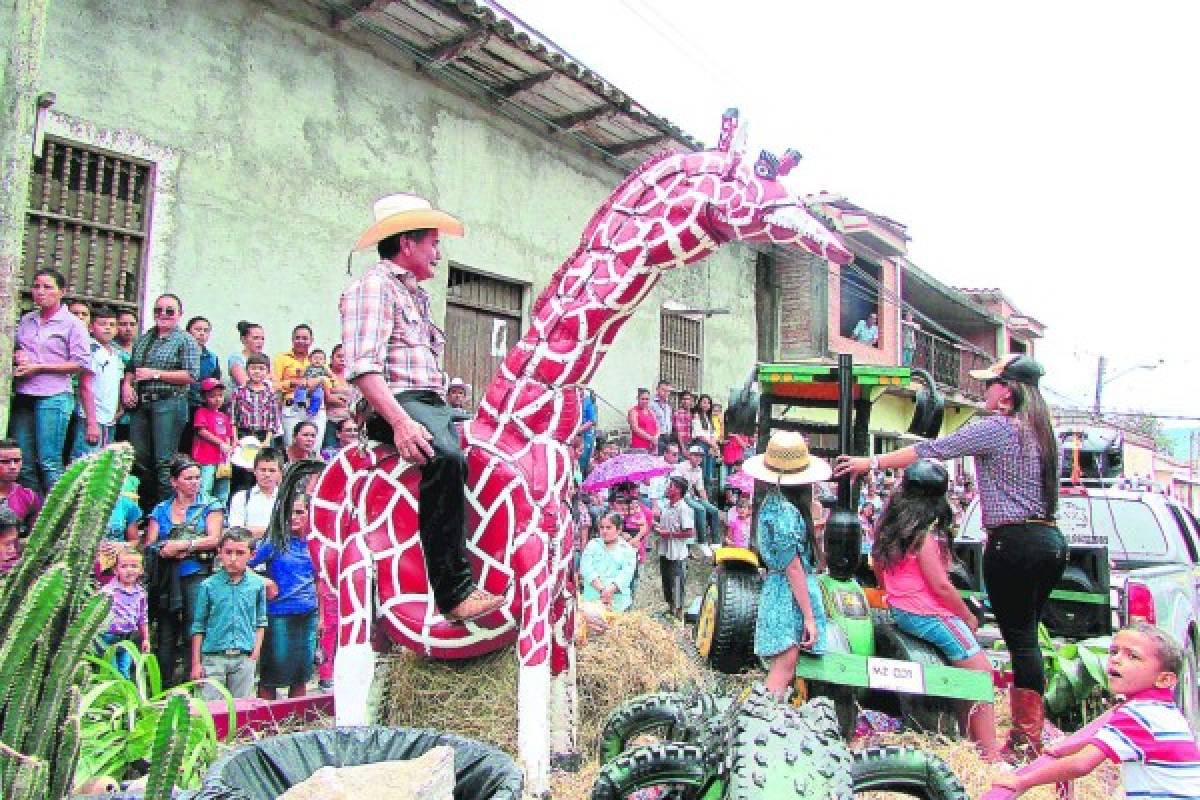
{"x":767,"y":166}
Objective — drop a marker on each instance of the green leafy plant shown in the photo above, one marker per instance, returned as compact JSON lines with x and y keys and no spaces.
{"x":48,"y":618}
{"x":122,"y":719}
{"x":1076,"y":683}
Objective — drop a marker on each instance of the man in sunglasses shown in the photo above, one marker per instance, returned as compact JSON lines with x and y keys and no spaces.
{"x":164,"y":363}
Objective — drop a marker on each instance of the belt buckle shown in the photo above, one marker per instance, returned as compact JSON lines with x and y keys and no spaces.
{"x":235,"y":652}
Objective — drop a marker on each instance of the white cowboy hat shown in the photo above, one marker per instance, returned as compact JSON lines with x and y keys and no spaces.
{"x":397,"y":213}
{"x":787,"y":462}
{"x":458,"y":383}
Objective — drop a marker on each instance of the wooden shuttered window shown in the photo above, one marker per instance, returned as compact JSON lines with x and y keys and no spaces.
{"x":88,"y":217}
{"x":681,"y":350}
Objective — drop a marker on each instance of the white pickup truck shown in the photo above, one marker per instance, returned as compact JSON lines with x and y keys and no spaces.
{"x":1153,"y":566}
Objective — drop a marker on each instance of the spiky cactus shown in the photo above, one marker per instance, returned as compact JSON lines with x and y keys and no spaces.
{"x":170,"y":742}
{"x":48,"y":619}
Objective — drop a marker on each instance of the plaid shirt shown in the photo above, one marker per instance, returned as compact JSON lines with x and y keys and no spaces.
{"x":1007,"y":467}
{"x":683,"y":426}
{"x":386,"y":329}
{"x":176,"y":350}
{"x":256,"y":409}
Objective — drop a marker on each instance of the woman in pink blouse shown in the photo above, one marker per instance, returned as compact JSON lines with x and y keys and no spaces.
{"x":643,"y":425}
{"x":51,"y":345}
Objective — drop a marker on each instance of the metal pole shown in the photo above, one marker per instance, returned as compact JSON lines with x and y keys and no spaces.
{"x":1099,"y":386}
{"x":25,"y":24}
{"x":845,"y":423}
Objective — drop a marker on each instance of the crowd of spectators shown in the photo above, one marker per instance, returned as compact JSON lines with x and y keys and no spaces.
{"x":212,"y":438}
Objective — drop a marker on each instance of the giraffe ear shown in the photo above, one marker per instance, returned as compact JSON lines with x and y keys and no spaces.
{"x":790,"y":159}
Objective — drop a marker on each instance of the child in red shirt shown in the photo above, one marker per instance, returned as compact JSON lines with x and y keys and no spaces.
{"x":214,"y":441}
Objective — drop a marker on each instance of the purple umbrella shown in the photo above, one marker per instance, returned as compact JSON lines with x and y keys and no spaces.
{"x":625,"y":468}
{"x":741,"y":481}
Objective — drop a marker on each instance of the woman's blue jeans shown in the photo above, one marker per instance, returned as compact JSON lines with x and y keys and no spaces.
{"x":39,"y":425}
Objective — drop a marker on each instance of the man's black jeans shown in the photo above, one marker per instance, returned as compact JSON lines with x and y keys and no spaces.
{"x":1021,"y":565}
{"x":441,"y":512}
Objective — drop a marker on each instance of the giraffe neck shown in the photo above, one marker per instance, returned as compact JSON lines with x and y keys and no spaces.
{"x":649,"y":224}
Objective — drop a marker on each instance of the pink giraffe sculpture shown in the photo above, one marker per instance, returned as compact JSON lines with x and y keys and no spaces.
{"x":673,"y":210}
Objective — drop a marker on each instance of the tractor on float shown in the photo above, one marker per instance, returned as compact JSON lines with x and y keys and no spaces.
{"x":868,"y":661}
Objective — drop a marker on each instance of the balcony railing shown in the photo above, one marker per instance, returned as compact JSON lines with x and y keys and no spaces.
{"x":950,"y":364}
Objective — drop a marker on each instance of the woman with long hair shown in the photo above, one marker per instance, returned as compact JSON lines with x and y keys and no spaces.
{"x":910,"y":556}
{"x":704,"y":433}
{"x":182,"y":530}
{"x":1016,"y":464}
{"x":293,"y":618}
{"x":253,"y":341}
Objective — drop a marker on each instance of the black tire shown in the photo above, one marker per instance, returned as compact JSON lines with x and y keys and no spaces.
{"x":845,"y":705}
{"x":1066,"y":617}
{"x":676,"y":716}
{"x":922,"y":712}
{"x":663,"y":764}
{"x":907,"y":771}
{"x":735,"y":612}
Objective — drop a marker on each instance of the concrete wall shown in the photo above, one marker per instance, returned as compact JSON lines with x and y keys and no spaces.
{"x":282,"y":132}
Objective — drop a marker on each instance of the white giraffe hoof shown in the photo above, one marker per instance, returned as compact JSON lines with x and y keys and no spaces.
{"x":353,"y":671}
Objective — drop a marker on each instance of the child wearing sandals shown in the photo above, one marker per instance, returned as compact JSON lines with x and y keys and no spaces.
{"x":910,"y":556}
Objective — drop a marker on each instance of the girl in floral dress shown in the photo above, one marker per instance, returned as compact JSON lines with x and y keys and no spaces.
{"x":790,"y":613}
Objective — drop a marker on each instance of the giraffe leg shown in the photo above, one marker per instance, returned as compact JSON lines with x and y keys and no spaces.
{"x":533,"y":744}
{"x":564,"y":697}
{"x":354,"y":664}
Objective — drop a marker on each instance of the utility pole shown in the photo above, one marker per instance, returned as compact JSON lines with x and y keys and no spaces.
{"x":1100,"y":363}
{"x":25,"y":24}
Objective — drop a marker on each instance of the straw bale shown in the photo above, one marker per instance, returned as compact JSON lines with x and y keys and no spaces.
{"x":477,"y":697}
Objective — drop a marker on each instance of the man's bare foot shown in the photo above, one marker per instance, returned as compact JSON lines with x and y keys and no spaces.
{"x":477,"y":604}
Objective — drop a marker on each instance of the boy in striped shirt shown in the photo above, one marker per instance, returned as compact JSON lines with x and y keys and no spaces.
{"x":1147,"y":734}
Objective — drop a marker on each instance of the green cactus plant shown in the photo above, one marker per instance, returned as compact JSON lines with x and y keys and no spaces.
{"x":170,"y":743}
{"x":48,"y":620}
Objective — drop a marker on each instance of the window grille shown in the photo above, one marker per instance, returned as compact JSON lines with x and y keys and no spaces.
{"x":88,"y":216}
{"x":681,"y":350}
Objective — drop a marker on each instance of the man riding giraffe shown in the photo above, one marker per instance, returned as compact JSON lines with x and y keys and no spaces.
{"x":394,"y":358}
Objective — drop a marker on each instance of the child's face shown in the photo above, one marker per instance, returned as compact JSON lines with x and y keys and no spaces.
{"x":744,"y":511}
{"x":608,"y":531}
{"x":234,"y":556}
{"x":1133,"y":665}
{"x":317,"y":359}
{"x":129,"y":569}
{"x":104,"y":329}
{"x":127,"y":327}
{"x":10,"y":464}
{"x":257,"y":373}
{"x":200,"y":331}
{"x":8,"y":544}
{"x":214,"y":398}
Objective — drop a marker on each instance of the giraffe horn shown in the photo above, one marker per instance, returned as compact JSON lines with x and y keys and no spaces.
{"x":729,"y":125}
{"x":790,"y":159}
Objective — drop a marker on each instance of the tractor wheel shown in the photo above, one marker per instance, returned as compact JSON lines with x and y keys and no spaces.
{"x":728,"y":612}
{"x":674,"y":716}
{"x":922,"y":712}
{"x":666,"y":765}
{"x":906,"y":771}
{"x":845,"y":704}
{"x":1066,"y":617}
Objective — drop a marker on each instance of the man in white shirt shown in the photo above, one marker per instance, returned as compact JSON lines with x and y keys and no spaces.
{"x":656,"y":488}
{"x":251,"y":508}
{"x":674,"y":530}
{"x":664,"y":414}
{"x":708,"y":518}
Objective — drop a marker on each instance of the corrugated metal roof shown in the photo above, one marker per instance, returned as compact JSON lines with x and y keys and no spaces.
{"x":479,"y":49}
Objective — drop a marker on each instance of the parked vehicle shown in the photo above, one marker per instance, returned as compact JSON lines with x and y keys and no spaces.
{"x":1134,"y":556}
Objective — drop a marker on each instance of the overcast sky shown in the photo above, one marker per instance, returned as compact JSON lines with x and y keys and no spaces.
{"x":1045,"y":148}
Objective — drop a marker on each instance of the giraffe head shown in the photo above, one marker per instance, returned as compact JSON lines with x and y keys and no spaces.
{"x":751,"y":204}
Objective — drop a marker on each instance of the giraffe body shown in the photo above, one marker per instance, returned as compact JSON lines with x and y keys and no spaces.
{"x":672,"y":211}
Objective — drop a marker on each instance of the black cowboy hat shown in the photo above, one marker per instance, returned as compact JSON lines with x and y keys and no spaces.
{"x":1016,"y":367}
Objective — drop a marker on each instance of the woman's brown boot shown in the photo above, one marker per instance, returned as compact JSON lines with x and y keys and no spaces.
{"x":1028,"y":719}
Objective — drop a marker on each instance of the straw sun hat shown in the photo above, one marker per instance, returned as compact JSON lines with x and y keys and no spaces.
{"x":787,"y":462}
{"x":398,"y":213}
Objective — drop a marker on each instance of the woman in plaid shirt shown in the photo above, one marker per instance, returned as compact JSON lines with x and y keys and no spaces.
{"x":1016,"y":463}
